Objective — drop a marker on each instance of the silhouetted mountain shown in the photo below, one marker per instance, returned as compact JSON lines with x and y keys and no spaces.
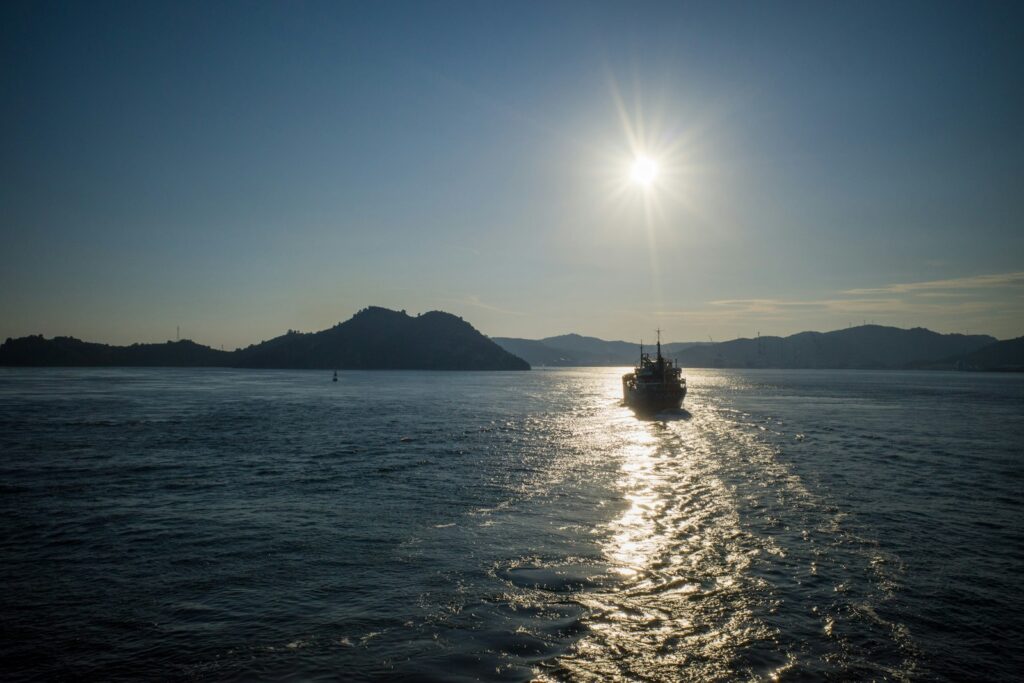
{"x":1007,"y":356}
{"x":536,"y":352}
{"x":378,"y":338}
{"x":673,"y":349}
{"x":375,"y":338}
{"x":866,"y":346}
{"x":595,"y":351}
{"x":577,"y":350}
{"x":35,"y":350}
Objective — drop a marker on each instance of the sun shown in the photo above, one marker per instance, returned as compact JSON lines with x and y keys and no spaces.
{"x":644,"y":171}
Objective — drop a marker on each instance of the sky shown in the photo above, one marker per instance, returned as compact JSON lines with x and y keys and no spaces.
{"x":241,"y":169}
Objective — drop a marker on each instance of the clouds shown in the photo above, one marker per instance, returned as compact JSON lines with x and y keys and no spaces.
{"x":980,"y":302}
{"x":474,"y":300}
{"x":953,"y":286}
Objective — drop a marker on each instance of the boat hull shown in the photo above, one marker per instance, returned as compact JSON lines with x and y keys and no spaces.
{"x":653,"y":400}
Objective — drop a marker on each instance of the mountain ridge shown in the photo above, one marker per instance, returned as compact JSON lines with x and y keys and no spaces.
{"x":861,"y":347}
{"x":1006,"y":355}
{"x":578,"y":350}
{"x":375,"y":338}
{"x":379,"y":338}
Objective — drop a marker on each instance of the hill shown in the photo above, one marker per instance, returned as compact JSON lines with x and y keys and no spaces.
{"x":68,"y":351}
{"x":380,"y":339}
{"x":375,"y":338}
{"x":577,"y":350}
{"x":865,"y":346}
{"x":536,"y":352}
{"x":1006,"y":355}
{"x":595,"y":351}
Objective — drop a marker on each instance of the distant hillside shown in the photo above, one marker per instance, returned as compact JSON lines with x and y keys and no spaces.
{"x":577,"y":350}
{"x":593,"y":350}
{"x":1007,"y":356}
{"x":536,"y":352}
{"x":378,"y":338}
{"x":866,"y":346}
{"x":68,"y":351}
{"x":375,"y":338}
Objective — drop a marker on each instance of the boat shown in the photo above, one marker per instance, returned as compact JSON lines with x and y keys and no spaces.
{"x":335,"y":376}
{"x":655,"y":384}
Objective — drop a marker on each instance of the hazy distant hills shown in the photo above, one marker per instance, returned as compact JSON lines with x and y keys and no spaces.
{"x":1005,"y":355}
{"x":866,"y":346}
{"x":68,"y":351}
{"x":576,"y":350}
{"x":381,"y":339}
{"x":374,"y":338}
{"x":378,"y":338}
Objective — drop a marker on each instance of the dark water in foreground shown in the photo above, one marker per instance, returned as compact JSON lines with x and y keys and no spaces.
{"x":218,"y":524}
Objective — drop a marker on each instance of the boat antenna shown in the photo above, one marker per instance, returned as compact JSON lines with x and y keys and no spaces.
{"x":641,"y":349}
{"x":659,"y":342}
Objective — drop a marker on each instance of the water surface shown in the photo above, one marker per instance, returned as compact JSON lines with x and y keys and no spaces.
{"x":222,"y":524}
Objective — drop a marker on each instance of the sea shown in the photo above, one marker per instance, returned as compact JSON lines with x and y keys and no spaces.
{"x":241,"y":525}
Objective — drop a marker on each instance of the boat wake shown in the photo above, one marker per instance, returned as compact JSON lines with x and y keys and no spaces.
{"x":728,"y":566}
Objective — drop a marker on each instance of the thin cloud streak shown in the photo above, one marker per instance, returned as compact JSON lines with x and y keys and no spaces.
{"x":952,"y":303}
{"x":732,"y":308}
{"x":974,"y":282}
{"x":474,"y":301}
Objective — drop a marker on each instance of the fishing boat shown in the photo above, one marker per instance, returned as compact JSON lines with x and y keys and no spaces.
{"x":655,"y":384}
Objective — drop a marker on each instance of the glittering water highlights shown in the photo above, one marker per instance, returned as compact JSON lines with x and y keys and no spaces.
{"x":241,"y":525}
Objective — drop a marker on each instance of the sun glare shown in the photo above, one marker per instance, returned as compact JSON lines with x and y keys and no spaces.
{"x":644,"y":171}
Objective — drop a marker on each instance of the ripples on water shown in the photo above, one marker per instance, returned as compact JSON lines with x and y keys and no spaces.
{"x":508,"y":526}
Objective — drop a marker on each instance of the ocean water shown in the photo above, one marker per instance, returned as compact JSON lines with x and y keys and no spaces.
{"x":266,"y":525}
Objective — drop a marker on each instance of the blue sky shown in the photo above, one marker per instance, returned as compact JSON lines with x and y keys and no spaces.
{"x":240,"y":169}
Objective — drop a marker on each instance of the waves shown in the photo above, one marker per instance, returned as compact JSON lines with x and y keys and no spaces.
{"x":433,"y":527}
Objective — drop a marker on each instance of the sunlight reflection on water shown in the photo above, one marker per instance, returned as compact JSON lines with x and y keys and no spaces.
{"x":430,"y":526}
{"x":687,"y":603}
{"x":680,"y":554}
